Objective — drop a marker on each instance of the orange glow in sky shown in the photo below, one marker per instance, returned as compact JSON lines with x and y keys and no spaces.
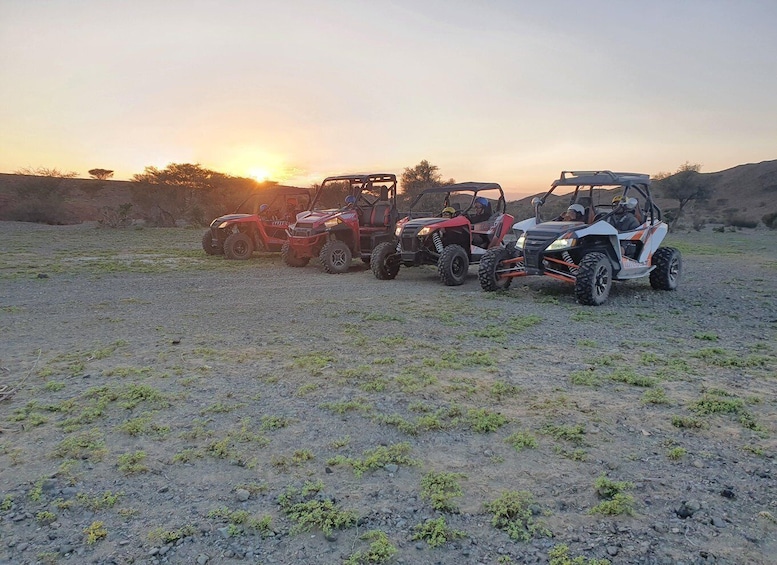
{"x":507,"y":91}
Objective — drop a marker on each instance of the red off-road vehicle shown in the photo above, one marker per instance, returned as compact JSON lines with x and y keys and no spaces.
{"x":335,"y":235}
{"x":259,"y":223}
{"x":452,"y":243}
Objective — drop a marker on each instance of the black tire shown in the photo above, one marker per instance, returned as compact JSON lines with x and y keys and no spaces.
{"x":207,"y":245}
{"x":238,"y":246}
{"x":288,"y":256}
{"x":489,"y":264}
{"x":594,"y":279}
{"x":453,"y":265}
{"x":668,"y":265}
{"x":385,"y":261}
{"x":335,"y":257}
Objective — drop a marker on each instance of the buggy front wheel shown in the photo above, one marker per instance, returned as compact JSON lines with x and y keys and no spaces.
{"x":384,"y":261}
{"x":488,"y":271}
{"x":335,"y":257}
{"x":668,"y":265}
{"x":594,"y":279}
{"x":290,"y":258}
{"x":238,"y":246}
{"x":453,"y":265}
{"x":207,"y":244}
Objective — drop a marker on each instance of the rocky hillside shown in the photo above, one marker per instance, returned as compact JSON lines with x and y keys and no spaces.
{"x":742,"y":193}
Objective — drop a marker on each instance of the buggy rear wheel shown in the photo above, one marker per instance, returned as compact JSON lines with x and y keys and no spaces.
{"x":488,"y":271}
{"x":335,"y":257}
{"x":594,"y":279}
{"x":288,"y":256}
{"x":668,"y":265}
{"x":238,"y":246}
{"x":207,"y":245}
{"x":385,"y":261}
{"x":453,"y":265}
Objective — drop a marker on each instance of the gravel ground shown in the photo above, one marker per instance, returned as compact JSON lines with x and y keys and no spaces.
{"x":161,"y":406}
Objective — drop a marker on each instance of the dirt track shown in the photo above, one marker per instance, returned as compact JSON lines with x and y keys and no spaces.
{"x":240,"y":380}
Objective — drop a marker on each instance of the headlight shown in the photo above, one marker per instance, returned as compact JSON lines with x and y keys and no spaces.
{"x":562,"y":243}
{"x":398,"y":231}
{"x":329,"y":224}
{"x":521,"y":241}
{"x":425,"y":231}
{"x":223,"y":225}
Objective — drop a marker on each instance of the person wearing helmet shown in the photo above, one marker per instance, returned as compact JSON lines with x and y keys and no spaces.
{"x":448,"y":212}
{"x":622,"y":217}
{"x":481,"y":211}
{"x":574,"y":213}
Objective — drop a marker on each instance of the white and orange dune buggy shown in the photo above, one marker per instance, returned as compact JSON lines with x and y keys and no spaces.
{"x":590,"y":253}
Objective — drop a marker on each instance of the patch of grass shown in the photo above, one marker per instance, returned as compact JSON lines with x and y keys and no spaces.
{"x":53,"y":386}
{"x":630,"y":377}
{"x":274,"y":422}
{"x":676,"y":453}
{"x":377,"y":458}
{"x":107,"y":499}
{"x":522,"y":440}
{"x":573,"y":434}
{"x":86,"y":445}
{"x":242,"y":521}
{"x":307,"y":509}
{"x":95,"y":532}
{"x":160,"y":535}
{"x":220,"y":408}
{"x":584,"y":378}
{"x":436,"y":532}
{"x":719,"y":357}
{"x":706,"y":336}
{"x":143,"y":425}
{"x":655,"y":396}
{"x":132,"y":463}
{"x":688,"y":423}
{"x":513,"y":512}
{"x":440,"y":489}
{"x":615,"y":500}
{"x":343,"y":406}
{"x":483,"y":420}
{"x":413,"y":380}
{"x":502,"y":390}
{"x":559,"y":555}
{"x":314,"y":362}
{"x":380,"y":550}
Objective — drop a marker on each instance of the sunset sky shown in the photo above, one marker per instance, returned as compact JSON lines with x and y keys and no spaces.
{"x":508,"y":91}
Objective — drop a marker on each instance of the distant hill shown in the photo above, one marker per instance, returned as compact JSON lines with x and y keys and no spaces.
{"x":745,"y":192}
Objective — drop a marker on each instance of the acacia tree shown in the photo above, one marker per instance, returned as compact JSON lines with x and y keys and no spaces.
{"x":684,"y":185}
{"x":42,"y":195}
{"x":180,"y":191}
{"x":100,"y":174}
{"x":417,"y":179}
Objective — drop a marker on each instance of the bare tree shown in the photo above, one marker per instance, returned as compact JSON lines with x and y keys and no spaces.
{"x":46,"y":172}
{"x":687,"y":184}
{"x":100,"y":174}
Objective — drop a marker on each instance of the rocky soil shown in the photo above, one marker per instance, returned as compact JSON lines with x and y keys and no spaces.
{"x":161,"y":406}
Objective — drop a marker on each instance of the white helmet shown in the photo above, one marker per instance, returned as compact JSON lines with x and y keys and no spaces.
{"x":576,"y":208}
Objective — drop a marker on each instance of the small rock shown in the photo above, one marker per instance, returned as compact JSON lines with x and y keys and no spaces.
{"x":202,"y":559}
{"x":727,"y":493}
{"x":718,"y":522}
{"x":242,"y":494}
{"x":688,"y":509}
{"x":612,"y":550}
{"x":391,"y":468}
{"x":42,"y":276}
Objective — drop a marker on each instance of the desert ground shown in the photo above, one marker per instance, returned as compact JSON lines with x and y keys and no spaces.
{"x":158,"y":405}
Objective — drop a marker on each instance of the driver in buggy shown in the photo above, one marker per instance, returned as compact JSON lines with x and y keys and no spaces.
{"x":481,"y":211}
{"x":448,"y":212}
{"x":623,"y":218}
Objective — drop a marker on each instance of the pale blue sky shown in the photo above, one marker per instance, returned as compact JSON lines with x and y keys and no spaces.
{"x":503,"y":91}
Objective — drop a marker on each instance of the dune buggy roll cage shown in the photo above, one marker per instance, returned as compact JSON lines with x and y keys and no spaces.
{"x":357,"y":183}
{"x":474,"y":187}
{"x":638,"y":182}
